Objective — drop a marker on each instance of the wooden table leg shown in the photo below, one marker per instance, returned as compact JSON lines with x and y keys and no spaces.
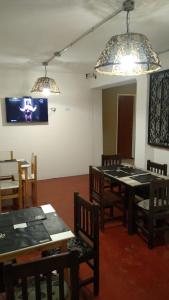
{"x":1,"y":278}
{"x":131,"y":227}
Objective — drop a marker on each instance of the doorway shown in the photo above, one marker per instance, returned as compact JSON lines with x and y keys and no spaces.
{"x":110,"y":118}
{"x":125,"y":126}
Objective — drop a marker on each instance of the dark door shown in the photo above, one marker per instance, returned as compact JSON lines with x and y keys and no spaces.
{"x":125,"y":125}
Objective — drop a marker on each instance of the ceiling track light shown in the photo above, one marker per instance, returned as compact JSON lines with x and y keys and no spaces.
{"x":47,"y":84}
{"x":129,"y":53}
{"x":125,"y":54}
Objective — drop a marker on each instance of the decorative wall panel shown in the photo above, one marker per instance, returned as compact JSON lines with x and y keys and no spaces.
{"x":158,"y":129}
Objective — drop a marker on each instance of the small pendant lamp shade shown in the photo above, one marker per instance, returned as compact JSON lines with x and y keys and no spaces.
{"x":128,"y":54}
{"x":45,"y":83}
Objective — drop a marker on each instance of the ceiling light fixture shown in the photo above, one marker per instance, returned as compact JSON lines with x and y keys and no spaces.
{"x":129,"y":53}
{"x":125,"y":54}
{"x":45,"y":85}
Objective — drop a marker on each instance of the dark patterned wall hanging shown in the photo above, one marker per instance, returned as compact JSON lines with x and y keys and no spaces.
{"x":158,"y":129}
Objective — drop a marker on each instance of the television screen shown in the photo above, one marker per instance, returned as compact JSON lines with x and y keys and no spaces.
{"x":26,"y":109}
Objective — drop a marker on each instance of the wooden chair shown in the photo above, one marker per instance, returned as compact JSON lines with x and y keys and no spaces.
{"x":86,"y":228}
{"x":157,"y":168}
{"x":111,"y":160}
{"x":86,"y":241}
{"x":29,"y":180}
{"x":151,"y":215}
{"x":36,"y":279}
{"x":106,"y":199}
{"x":143,"y":193}
{"x":11,"y":188}
{"x":8,"y":156}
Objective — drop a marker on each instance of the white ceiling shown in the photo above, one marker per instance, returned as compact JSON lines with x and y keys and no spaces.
{"x":32,"y":30}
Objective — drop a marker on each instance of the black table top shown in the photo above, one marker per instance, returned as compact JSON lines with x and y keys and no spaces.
{"x":145,"y":178}
{"x":130,"y":175}
{"x":121,"y":170}
{"x":21,"y":216}
{"x":28,"y":227}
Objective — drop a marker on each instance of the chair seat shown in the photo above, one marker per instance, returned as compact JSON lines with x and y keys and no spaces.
{"x":145,"y":204}
{"x":111,"y":198}
{"x":5,"y":185}
{"x":43,"y":288}
{"x":81,"y":246}
{"x":76,"y":243}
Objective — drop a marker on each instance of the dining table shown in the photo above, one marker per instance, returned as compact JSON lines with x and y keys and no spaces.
{"x":29,"y":230}
{"x":133,"y":179}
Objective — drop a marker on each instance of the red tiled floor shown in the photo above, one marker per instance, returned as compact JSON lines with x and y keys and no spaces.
{"x":128,"y":269}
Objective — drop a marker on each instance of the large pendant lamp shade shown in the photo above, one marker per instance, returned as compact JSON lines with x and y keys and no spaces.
{"x":128,"y":54}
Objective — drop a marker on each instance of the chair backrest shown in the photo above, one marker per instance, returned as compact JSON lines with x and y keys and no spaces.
{"x":159,"y":195}
{"x":9,"y":168}
{"x":86,"y":220}
{"x":157,"y":168}
{"x":111,"y":160}
{"x":96,"y":184}
{"x":6,"y":155}
{"x":42,"y":269}
{"x":11,"y":186}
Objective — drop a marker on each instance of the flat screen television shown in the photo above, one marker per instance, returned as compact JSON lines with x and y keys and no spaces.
{"x":26,"y":109}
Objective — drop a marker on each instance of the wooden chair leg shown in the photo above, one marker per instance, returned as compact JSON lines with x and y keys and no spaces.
{"x":96,"y":276}
{"x":102,"y":219}
{"x":150,"y":234}
{"x":124,"y":219}
{"x":111,"y":211}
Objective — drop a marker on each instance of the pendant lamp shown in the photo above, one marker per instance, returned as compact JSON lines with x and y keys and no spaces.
{"x":45,"y":85}
{"x":129,"y":53}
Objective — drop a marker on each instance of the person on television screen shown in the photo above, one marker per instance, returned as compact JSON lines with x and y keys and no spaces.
{"x":28,"y":109}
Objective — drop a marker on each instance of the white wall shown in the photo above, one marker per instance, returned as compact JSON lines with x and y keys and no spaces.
{"x":72,"y":139}
{"x":141,"y":120}
{"x":143,"y":151}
